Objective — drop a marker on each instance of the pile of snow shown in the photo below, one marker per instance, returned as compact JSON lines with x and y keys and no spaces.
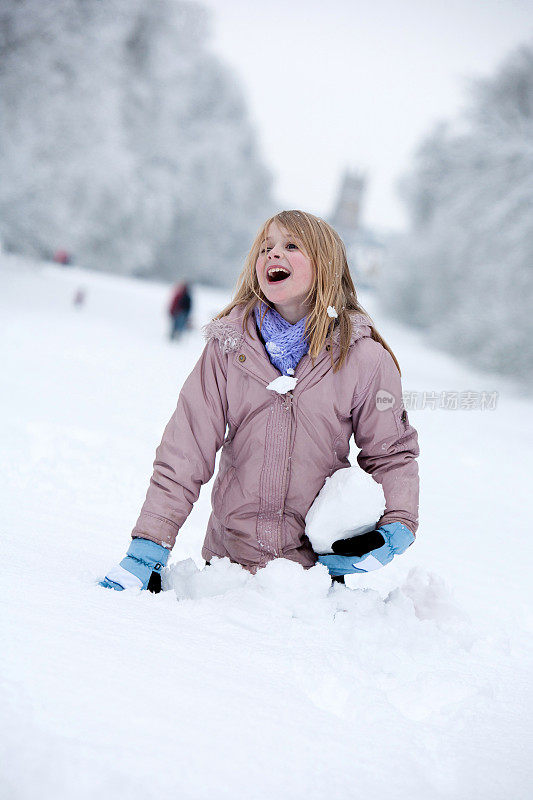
{"x":308,"y":593}
{"x":350,"y":503}
{"x":285,"y":587}
{"x":282,"y":581}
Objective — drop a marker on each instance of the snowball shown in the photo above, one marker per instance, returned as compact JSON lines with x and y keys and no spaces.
{"x":283,"y":384}
{"x":332,"y":312}
{"x":350,"y":503}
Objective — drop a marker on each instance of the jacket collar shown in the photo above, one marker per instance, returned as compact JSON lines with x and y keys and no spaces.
{"x":228,"y":331}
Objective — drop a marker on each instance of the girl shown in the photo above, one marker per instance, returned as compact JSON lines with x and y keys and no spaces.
{"x":296,"y":314}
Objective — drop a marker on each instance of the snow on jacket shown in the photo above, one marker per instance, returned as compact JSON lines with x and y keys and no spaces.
{"x":277,"y":450}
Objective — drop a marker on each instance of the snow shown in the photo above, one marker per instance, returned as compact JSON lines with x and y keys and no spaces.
{"x":332,"y":312}
{"x":413,"y":681}
{"x":350,"y":503}
{"x":273,"y":348}
{"x":283,"y":384}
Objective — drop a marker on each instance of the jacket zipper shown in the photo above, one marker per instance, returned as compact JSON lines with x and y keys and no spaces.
{"x":288,"y":406}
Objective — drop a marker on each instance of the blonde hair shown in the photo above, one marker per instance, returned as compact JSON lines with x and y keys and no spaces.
{"x":332,"y":283}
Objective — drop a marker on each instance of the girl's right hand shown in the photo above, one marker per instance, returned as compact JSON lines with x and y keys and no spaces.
{"x":141,"y":566}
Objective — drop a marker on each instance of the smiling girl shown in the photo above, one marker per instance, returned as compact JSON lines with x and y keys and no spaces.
{"x":295,"y":314}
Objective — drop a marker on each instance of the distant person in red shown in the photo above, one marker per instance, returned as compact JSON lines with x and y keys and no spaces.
{"x":62,"y":257}
{"x":179,"y":309}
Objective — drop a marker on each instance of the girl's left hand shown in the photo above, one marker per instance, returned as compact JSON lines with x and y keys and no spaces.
{"x":396,"y":539}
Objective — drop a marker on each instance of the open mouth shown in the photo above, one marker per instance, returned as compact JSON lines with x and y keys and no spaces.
{"x":277,"y":274}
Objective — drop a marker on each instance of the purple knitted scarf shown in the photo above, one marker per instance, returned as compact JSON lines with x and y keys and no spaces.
{"x":285,"y":343}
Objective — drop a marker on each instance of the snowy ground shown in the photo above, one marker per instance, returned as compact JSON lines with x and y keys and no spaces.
{"x":411,"y":683}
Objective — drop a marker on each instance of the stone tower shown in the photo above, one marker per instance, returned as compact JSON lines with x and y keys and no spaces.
{"x":347,"y":214}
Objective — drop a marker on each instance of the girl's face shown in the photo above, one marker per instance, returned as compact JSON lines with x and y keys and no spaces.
{"x":285,"y":273}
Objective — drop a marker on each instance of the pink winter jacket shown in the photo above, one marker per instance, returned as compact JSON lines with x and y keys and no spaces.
{"x":277,"y":450}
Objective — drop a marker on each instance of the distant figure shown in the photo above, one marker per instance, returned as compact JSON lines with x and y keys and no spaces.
{"x":62,"y":257}
{"x":179,"y":310}
{"x":79,"y":298}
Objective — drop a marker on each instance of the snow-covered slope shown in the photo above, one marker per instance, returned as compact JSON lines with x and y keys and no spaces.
{"x":411,"y":683}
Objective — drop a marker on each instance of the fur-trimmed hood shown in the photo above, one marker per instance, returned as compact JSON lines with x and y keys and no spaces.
{"x":228,"y":332}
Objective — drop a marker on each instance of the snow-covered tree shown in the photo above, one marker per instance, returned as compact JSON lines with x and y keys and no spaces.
{"x":464,"y":271}
{"x":124,"y":140}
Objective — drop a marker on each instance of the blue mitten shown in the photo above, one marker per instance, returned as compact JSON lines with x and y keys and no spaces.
{"x":134,"y":572}
{"x":396,"y":539}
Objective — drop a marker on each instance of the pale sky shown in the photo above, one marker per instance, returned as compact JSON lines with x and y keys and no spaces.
{"x":337,"y":83}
